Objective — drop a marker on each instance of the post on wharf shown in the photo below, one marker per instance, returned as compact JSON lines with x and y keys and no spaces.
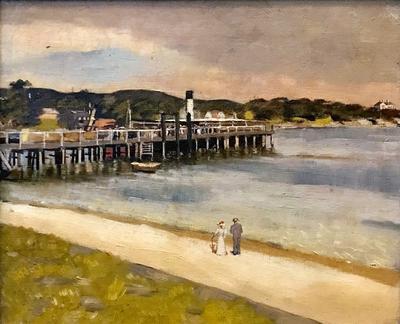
{"x":177,"y":135}
{"x":163,"y":135}
{"x":189,"y":133}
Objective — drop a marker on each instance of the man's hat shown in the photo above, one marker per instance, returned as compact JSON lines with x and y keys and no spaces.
{"x":235,"y":219}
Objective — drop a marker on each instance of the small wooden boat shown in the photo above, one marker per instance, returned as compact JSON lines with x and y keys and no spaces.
{"x":145,"y":166}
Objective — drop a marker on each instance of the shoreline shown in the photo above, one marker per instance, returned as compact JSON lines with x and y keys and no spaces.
{"x":307,"y":289}
{"x":386,"y":276}
{"x":299,"y":126}
{"x":383,"y":275}
{"x":141,"y":281}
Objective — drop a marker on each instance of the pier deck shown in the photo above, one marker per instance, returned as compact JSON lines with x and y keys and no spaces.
{"x":135,"y":144}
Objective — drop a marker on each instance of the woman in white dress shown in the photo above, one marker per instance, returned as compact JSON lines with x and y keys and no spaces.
{"x":220,"y":234}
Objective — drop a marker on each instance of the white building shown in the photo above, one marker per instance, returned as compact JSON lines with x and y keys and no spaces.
{"x":381,"y":105}
{"x":214,"y":114}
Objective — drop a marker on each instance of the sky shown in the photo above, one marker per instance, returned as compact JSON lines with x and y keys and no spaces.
{"x":342,"y":51}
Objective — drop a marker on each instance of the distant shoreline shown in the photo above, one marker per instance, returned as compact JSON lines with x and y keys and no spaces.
{"x":383,"y":275}
{"x":280,"y":110}
{"x":349,"y":125}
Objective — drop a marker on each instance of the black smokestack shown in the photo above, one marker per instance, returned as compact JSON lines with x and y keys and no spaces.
{"x":189,"y":94}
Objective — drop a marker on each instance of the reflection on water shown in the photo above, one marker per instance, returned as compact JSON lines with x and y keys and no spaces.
{"x":331,"y":191}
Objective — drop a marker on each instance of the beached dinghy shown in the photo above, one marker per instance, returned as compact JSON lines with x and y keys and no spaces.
{"x":145,"y":166}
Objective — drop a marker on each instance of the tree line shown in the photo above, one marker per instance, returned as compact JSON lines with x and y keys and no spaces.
{"x":21,"y":105}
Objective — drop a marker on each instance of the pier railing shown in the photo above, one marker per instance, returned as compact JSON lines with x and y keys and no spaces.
{"x":43,"y":139}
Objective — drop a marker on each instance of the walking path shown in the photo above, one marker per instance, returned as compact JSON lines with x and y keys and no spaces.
{"x":303,"y":288}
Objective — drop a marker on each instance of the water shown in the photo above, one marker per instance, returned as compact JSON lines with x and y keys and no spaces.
{"x":335,"y":192}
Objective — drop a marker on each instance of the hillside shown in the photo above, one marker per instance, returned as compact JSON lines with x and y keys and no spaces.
{"x":145,"y":104}
{"x":23,"y":106}
{"x":227,"y":106}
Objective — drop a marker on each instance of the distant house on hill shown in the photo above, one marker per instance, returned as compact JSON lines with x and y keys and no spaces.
{"x":384,"y":105}
{"x":214,"y":114}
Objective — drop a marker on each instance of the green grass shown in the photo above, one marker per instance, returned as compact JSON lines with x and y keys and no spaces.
{"x":299,"y":120}
{"x":275,"y":120}
{"x":47,"y":125}
{"x":323,"y":121}
{"x":45,"y":279}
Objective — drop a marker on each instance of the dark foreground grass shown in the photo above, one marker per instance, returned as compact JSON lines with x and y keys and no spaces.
{"x":47,"y":280}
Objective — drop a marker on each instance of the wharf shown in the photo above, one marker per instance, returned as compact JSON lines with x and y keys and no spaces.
{"x":149,"y":141}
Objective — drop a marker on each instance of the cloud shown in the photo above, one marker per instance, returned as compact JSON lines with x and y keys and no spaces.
{"x":238,"y":49}
{"x":85,"y":67}
{"x":23,"y":41}
{"x":215,"y":83}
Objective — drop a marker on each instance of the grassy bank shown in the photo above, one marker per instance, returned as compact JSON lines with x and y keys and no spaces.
{"x":45,"y":279}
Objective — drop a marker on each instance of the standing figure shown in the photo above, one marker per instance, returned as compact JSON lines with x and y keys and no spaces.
{"x":236,"y":231}
{"x":220,"y":234}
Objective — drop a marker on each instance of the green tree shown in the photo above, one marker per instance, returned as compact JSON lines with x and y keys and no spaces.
{"x":249,"y":115}
{"x":71,"y":103}
{"x":14,"y":107}
{"x":119,"y":112}
{"x":20,"y":84}
{"x":288,"y":112}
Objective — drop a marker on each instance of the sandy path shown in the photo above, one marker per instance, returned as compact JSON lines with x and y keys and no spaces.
{"x":306,"y":289}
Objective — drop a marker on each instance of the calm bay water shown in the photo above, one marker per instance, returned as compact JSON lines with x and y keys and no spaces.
{"x":332,"y":191}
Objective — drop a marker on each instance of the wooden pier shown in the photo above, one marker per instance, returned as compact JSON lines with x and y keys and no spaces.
{"x":158,"y":140}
